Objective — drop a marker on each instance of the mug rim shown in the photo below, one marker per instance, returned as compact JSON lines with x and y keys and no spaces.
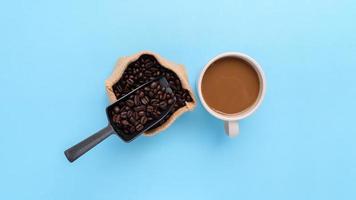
{"x":247,"y":112}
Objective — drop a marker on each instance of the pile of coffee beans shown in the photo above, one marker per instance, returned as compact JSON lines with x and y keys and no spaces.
{"x":147,"y":68}
{"x":142,"y":108}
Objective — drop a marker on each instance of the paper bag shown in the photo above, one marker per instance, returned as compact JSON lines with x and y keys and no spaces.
{"x":178,"y":69}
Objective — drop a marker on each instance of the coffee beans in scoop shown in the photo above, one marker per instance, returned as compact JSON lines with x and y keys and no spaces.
{"x":141,"y":109}
{"x":147,"y":68}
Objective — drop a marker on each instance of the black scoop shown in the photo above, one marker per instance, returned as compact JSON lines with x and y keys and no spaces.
{"x":119,"y":119}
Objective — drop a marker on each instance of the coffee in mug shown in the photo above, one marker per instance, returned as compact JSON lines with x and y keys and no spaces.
{"x":231,"y":87}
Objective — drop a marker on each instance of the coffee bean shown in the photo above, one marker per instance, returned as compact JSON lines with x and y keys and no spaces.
{"x":129,"y":114}
{"x":149,"y":109}
{"x":139,"y":127}
{"x":121,"y":104}
{"x":132,"y":120}
{"x":170,"y":101}
{"x":164,"y":97}
{"x":145,"y":100}
{"x":184,"y":94}
{"x":116,"y":109}
{"x":151,"y":94}
{"x":189,"y":99}
{"x":130,"y":103}
{"x":149,"y":114}
{"x":130,"y":81}
{"x":149,"y":64}
{"x":132,"y":129}
{"x":137,"y":100}
{"x":153,"y":85}
{"x":141,"y":113}
{"x":154,"y":101}
{"x":125,"y":122}
{"x":155,"y":114}
{"x":163,"y":105}
{"x":153,"y":69}
{"x":119,"y":88}
{"x":143,"y":120}
{"x":141,"y":59}
{"x":135,"y":115}
{"x":139,"y":108}
{"x":187,"y":96}
{"x":181,"y":103}
{"x":177,"y":82}
{"x":142,"y":94}
{"x":123,"y":115}
{"x":116,"y":118}
{"x":148,"y":73}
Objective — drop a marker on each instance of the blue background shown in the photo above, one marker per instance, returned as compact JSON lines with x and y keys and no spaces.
{"x":300,"y":144}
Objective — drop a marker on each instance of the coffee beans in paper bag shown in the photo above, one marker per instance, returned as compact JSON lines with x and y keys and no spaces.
{"x":132,"y":71}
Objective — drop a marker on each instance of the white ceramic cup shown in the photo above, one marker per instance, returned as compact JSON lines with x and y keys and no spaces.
{"x":231,"y":120}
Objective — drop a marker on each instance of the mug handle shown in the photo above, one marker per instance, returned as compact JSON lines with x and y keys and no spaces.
{"x":231,"y":128}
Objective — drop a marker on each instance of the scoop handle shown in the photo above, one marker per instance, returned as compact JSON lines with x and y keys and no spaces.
{"x":84,"y":146}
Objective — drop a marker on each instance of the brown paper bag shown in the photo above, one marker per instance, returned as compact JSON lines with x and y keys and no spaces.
{"x":178,"y":69}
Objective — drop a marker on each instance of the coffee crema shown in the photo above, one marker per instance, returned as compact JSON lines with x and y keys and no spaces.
{"x":230,"y":85}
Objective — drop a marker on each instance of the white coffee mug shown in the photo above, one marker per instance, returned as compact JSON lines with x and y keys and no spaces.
{"x":231,"y":120}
